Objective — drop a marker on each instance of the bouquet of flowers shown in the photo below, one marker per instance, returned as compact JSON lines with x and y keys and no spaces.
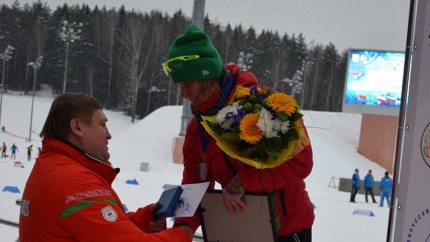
{"x":259,"y":127}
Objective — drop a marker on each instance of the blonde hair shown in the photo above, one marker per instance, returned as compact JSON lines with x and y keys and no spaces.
{"x":209,"y":85}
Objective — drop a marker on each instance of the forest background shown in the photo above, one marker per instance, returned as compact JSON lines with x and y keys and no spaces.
{"x":117,"y":56}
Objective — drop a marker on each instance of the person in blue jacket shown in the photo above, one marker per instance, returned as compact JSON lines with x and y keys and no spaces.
{"x":368,"y":185}
{"x":385,"y":189}
{"x":13,"y":149}
{"x":355,"y":185}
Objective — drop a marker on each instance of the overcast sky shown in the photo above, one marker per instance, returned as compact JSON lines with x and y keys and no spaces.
{"x":369,"y":24}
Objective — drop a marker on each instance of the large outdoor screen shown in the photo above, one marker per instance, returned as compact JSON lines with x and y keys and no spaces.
{"x":374,"y":81}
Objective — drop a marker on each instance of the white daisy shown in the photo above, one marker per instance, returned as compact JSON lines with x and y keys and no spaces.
{"x":227,"y":110}
{"x":280,"y":126}
{"x":266,"y":124}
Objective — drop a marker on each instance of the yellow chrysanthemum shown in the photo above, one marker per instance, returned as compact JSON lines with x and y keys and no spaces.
{"x":249,"y":131}
{"x":282,"y":102}
{"x":243,"y":92}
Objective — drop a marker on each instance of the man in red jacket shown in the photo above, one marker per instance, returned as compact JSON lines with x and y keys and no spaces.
{"x":68,"y":195}
{"x":195,"y":66}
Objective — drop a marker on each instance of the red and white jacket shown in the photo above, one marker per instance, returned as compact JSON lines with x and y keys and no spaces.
{"x":68,"y":197}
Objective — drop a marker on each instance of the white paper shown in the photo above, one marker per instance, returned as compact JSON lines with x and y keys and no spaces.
{"x":190,"y":198}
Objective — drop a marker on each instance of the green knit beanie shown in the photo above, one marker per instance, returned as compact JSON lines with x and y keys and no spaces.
{"x":186,"y":67}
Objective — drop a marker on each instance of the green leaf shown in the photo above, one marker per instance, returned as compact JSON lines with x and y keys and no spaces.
{"x":274,"y":154}
{"x":231,"y":137}
{"x":254,"y":152}
{"x":272,"y":143}
{"x":272,"y":146}
{"x":282,"y":116}
{"x":295,"y":116}
{"x":284,"y":141}
{"x":291,"y":135}
{"x":215,"y":127}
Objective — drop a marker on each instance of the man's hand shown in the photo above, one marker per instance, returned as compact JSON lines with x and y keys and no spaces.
{"x":159,"y":224}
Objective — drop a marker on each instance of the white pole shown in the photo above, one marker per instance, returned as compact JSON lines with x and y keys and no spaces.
{"x":32,"y":102}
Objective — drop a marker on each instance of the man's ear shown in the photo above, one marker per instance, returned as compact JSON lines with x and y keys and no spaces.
{"x":75,"y":127}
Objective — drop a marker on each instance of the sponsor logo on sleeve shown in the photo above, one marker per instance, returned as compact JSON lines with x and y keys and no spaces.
{"x":88,"y":194}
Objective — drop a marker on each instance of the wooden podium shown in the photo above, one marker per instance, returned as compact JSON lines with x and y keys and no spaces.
{"x":177,"y":155}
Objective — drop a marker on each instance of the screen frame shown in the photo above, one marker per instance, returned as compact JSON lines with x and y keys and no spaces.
{"x":363,"y":108}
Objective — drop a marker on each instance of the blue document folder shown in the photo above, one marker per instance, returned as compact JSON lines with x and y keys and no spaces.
{"x":168,"y":201}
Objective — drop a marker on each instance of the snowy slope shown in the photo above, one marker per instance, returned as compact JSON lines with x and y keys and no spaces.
{"x":334,"y":137}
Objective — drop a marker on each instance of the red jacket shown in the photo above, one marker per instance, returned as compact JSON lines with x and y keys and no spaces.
{"x":68,"y":197}
{"x":286,"y":181}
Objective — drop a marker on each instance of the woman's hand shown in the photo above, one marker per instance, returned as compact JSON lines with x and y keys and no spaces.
{"x":232,"y":195}
{"x":159,"y":224}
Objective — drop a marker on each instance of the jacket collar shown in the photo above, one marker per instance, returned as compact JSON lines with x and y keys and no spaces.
{"x":103,"y":169}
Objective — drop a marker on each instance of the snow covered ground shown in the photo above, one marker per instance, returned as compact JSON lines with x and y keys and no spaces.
{"x":334,"y":137}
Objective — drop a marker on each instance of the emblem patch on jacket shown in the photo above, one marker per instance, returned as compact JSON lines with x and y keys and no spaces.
{"x":109,"y":214}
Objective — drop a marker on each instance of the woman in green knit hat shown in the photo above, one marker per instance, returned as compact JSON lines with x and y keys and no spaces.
{"x":195,"y":66}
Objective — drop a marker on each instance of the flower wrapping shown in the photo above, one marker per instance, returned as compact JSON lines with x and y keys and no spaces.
{"x":259,"y":127}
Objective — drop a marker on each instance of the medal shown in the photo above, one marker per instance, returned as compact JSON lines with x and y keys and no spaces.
{"x":203,"y":167}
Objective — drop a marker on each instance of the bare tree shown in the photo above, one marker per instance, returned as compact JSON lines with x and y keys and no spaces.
{"x":105,"y":34}
{"x":159,"y":44}
{"x":279,"y":60}
{"x":39,"y":36}
{"x":330,"y":56}
{"x":138,"y":47}
{"x":90,"y":72}
{"x":317,"y":60}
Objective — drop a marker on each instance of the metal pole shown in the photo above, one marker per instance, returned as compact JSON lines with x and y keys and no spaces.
{"x":199,"y":13}
{"x":396,"y":209}
{"x":198,"y":20}
{"x":9,"y":223}
{"x":65,"y":65}
{"x":32,"y":103}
